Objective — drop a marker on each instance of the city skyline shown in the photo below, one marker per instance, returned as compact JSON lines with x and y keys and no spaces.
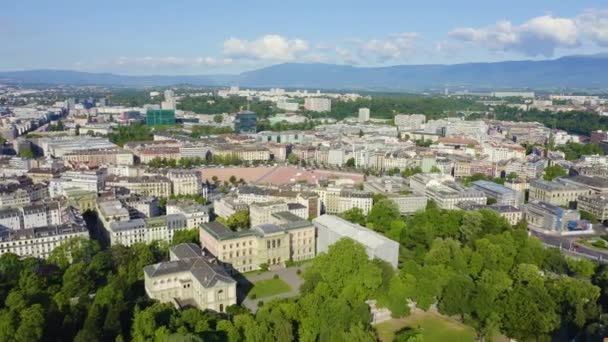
{"x":138,"y":38}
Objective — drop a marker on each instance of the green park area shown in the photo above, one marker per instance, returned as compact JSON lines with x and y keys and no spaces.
{"x":433,"y":327}
{"x":268,"y":287}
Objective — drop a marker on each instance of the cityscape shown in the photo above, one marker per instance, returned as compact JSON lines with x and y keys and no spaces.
{"x":293,"y":189}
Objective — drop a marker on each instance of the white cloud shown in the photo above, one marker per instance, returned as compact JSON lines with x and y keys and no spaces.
{"x":395,"y":47}
{"x":211,"y":61}
{"x":538,"y":36}
{"x":269,"y":47}
{"x":594,"y":24}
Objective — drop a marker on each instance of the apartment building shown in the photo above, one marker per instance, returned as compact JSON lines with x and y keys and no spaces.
{"x":101,"y":157}
{"x":228,"y":206}
{"x":512,"y":214}
{"x":32,"y":216}
{"x":160,"y":228}
{"x":260,"y":212}
{"x":598,"y":185}
{"x":597,"y":205}
{"x":156,"y":186}
{"x":243,"y":152}
{"x":288,"y":238}
{"x":196,"y":214}
{"x":448,"y":195}
{"x":188,"y":278}
{"x":556,"y":192}
{"x":42,"y":237}
{"x":185,"y":182}
{"x":317,"y":104}
{"x":93,"y":180}
{"x":409,"y":122}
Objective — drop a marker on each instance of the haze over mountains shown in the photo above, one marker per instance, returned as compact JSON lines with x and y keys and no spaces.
{"x":566,"y":72}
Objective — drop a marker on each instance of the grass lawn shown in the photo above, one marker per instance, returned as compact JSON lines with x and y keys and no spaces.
{"x":434,"y":327}
{"x":268,"y":287}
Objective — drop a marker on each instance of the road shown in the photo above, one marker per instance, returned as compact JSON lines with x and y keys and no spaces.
{"x":569,"y":245}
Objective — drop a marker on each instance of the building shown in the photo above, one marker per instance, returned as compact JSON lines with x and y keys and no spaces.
{"x":597,"y":205}
{"x":35,"y":231}
{"x":596,"y":184}
{"x":185,"y":182}
{"x":287,"y":238}
{"x":409,"y":122}
{"x":190,"y":279}
{"x":555,"y":192}
{"x":156,"y":186}
{"x":284,"y":137}
{"x":317,"y":104}
{"x":364,"y":115}
{"x":512,"y":214}
{"x":160,"y":228}
{"x":502,"y":194}
{"x":261,"y":212}
{"x":245,"y":122}
{"x":409,"y":204}
{"x":548,"y":216}
{"x":157,"y":117}
{"x":332,"y":228}
{"x":228,"y":206}
{"x":196,"y":214}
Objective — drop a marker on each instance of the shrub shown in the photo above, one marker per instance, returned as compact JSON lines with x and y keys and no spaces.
{"x":276,"y":276}
{"x":260,"y":304}
{"x":253,"y":296}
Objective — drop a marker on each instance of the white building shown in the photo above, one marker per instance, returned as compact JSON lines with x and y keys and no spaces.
{"x":189,"y":278}
{"x":364,"y":115}
{"x":147,"y":230}
{"x":331,"y":228}
{"x":317,"y":104}
{"x":409,"y":122}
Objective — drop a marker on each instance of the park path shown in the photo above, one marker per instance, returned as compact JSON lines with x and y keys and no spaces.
{"x":288,"y":275}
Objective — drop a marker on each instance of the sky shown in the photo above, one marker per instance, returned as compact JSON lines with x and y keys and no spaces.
{"x":179,"y":37}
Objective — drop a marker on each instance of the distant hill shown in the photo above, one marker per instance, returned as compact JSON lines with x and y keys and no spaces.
{"x":565,"y":72}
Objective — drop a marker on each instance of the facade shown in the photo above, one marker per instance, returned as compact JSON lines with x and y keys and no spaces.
{"x":185,"y":182}
{"x":157,"y":117}
{"x":332,"y":228}
{"x":555,"y":192}
{"x":502,"y":194}
{"x":101,"y":157}
{"x":261,"y":212}
{"x":156,"y":186}
{"x":196,"y":214}
{"x":448,"y":198}
{"x":409,"y":204}
{"x":409,"y":122}
{"x":284,"y":137}
{"x":287,"y":238}
{"x":317,"y":104}
{"x":598,"y":185}
{"x":188,"y":278}
{"x":160,"y":228}
{"x":227,"y":206}
{"x":597,"y":205}
{"x":549,"y":216}
{"x":42,"y":237}
{"x":245,"y":122}
{"x":32,"y":216}
{"x":512,"y":214}
{"x":364,"y":115}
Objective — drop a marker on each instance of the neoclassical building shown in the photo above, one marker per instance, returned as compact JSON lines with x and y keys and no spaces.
{"x":189,"y":279}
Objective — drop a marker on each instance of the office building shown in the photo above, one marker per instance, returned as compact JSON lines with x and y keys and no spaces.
{"x":147,"y":230}
{"x":157,"y":117}
{"x":409,"y":122}
{"x":512,"y":214}
{"x":245,"y":122}
{"x":190,"y":279}
{"x":332,"y":228}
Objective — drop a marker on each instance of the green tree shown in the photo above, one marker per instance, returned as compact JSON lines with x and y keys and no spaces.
{"x":26,"y":153}
{"x":554,"y":171}
{"x":350,"y":162}
{"x":218,"y":118}
{"x":292,"y":158}
{"x":31,"y":327}
{"x":382,"y":214}
{"x":354,"y":215}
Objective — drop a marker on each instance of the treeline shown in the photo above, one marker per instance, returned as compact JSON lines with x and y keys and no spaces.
{"x":124,"y":134}
{"x":218,"y":105}
{"x":265,"y":125}
{"x":199,"y":131}
{"x":224,"y":160}
{"x":387,"y":107}
{"x":578,"y":122}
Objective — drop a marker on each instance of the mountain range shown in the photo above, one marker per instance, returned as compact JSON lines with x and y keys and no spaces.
{"x":590,"y":71}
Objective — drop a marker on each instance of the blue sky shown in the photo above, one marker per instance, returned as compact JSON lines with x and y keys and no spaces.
{"x":203,"y":37}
